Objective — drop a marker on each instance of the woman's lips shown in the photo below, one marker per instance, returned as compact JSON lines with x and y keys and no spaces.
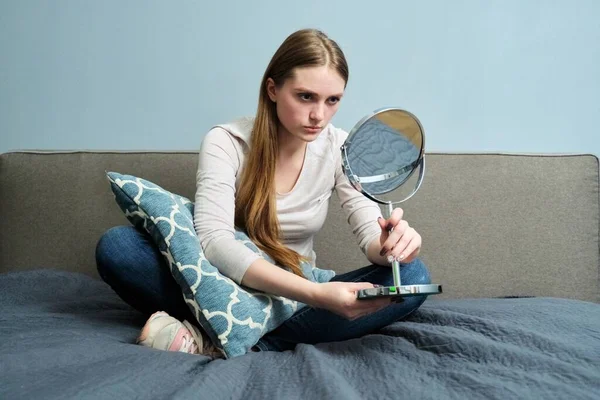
{"x":313,"y":129}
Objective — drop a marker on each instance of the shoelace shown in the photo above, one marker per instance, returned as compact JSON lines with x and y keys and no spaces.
{"x":196,"y":337}
{"x":188,"y":345}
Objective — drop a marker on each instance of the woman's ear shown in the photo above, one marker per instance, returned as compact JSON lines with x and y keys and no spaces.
{"x":271,"y":90}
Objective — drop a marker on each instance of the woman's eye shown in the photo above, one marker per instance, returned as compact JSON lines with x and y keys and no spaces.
{"x":333,"y":100}
{"x":305,"y":96}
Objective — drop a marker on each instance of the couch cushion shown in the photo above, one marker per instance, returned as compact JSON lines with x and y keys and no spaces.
{"x":54,"y":206}
{"x":492,"y":224}
{"x":501,"y":225}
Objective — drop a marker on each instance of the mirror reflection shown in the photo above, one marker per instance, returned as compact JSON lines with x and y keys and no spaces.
{"x":383,"y":151}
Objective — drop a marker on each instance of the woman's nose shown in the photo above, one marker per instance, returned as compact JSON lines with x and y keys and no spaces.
{"x":317,"y":113}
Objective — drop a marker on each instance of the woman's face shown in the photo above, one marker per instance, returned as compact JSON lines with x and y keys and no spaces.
{"x":307,"y":101}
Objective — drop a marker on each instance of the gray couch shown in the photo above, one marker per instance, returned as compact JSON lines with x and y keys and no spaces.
{"x":513,"y":238}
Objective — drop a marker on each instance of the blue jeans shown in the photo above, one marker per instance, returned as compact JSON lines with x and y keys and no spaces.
{"x":130,"y":263}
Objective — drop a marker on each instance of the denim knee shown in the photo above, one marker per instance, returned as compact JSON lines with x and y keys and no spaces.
{"x":129,"y":262}
{"x":117,"y":250}
{"x":107,"y":242}
{"x":415,"y":273}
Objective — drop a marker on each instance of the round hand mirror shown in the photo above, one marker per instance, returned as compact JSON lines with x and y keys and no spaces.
{"x":381,"y":153}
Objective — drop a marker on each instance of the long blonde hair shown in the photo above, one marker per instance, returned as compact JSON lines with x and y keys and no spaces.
{"x":255,"y":203}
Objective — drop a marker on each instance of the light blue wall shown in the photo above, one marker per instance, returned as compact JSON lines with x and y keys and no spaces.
{"x":517,"y":75}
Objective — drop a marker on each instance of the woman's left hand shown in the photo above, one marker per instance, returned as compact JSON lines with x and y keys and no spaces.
{"x":403,"y":243}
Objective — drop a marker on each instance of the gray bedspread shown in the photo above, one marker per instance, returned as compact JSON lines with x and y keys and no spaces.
{"x":65,"y":335}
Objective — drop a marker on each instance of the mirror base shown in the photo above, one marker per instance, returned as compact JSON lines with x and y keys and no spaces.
{"x":399,"y":291}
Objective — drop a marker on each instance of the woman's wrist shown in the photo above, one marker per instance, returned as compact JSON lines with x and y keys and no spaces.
{"x":314,"y":295}
{"x":374,"y":252}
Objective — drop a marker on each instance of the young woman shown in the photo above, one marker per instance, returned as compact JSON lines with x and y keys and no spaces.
{"x":271,"y":176}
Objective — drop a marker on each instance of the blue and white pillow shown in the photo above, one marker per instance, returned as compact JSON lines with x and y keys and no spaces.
{"x":234,"y":317}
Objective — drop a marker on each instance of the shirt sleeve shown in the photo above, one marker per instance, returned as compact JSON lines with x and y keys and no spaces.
{"x":361,"y":212}
{"x":218,"y":166}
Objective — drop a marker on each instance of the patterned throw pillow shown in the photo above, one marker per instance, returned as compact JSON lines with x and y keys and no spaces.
{"x":234,"y":317}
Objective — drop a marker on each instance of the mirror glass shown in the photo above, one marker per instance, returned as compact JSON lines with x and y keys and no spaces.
{"x":382,"y":152}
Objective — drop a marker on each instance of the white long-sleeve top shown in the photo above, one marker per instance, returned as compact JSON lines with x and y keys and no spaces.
{"x":301,"y":212}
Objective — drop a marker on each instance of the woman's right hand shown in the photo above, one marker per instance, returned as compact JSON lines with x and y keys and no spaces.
{"x":340,"y":298}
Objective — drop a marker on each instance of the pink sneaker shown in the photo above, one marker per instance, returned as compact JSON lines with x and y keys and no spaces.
{"x":164,"y":332}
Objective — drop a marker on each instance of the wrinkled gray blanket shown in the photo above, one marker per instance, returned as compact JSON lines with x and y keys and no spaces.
{"x":65,"y":335}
